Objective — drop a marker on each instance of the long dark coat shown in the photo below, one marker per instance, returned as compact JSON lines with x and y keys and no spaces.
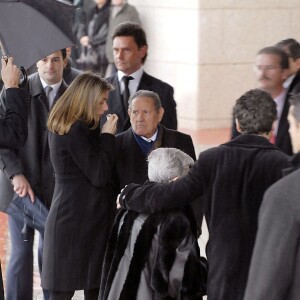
{"x":233,"y":178}
{"x":80,"y":216}
{"x":275,"y":265}
{"x":33,"y":159}
{"x":164,"y":90}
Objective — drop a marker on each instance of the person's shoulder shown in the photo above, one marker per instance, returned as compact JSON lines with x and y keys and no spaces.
{"x":291,"y":180}
{"x":123,"y":135}
{"x":284,"y":192}
{"x":112,"y":78}
{"x":156,"y":81}
{"x":176,"y":133}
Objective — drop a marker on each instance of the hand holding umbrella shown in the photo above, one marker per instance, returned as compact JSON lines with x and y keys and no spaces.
{"x":10,"y":73}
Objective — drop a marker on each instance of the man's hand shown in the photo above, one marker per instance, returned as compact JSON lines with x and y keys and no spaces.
{"x":22,"y":187}
{"x":118,"y":198}
{"x":10,"y":73}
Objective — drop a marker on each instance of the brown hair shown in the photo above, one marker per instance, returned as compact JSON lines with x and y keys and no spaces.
{"x":78,"y":103}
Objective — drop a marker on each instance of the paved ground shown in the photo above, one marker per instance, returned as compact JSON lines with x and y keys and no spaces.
{"x":203,"y":139}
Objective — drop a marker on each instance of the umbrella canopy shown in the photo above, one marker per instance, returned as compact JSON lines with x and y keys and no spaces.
{"x":33,"y":29}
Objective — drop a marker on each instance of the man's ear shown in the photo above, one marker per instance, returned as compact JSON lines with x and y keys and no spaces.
{"x":143,"y":51}
{"x":65,"y":62}
{"x":161,"y":113}
{"x":238,"y":127}
{"x":297,"y":61}
{"x":285,"y":74}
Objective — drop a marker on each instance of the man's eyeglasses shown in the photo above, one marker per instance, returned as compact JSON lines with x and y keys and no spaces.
{"x":266,"y":68}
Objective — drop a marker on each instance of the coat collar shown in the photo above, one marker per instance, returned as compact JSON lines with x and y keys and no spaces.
{"x":250,"y":141}
{"x":36,"y":87}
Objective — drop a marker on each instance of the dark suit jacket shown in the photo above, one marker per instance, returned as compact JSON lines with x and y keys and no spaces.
{"x":164,"y":90}
{"x":33,"y":159}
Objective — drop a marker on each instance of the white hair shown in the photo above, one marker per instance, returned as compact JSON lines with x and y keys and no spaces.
{"x":165,"y":164}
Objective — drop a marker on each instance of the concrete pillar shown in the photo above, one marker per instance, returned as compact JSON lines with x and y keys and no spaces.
{"x":205,"y":49}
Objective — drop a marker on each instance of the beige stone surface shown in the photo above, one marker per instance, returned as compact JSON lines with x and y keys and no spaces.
{"x":206,"y":48}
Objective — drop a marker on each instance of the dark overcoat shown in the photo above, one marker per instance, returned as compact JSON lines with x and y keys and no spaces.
{"x":33,"y":159}
{"x":80,"y":216}
{"x":164,"y":90}
{"x":233,"y":178}
{"x":13,"y":122}
{"x":131,"y":163}
{"x":275,"y":265}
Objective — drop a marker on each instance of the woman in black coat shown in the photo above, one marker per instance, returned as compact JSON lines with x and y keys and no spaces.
{"x":81,"y":212}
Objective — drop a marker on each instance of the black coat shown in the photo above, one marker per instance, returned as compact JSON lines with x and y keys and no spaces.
{"x":131,"y":163}
{"x":164,"y":90}
{"x":233,"y":178}
{"x":33,"y":159}
{"x":13,"y":120}
{"x":80,"y":216}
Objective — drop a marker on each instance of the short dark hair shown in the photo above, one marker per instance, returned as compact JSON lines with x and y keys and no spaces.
{"x":255,"y":111}
{"x":134,"y":30}
{"x":292,"y":46}
{"x":284,"y":60}
{"x":294,"y":101}
{"x":145,"y":93}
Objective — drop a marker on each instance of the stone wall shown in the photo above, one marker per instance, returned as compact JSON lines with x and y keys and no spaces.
{"x":206,"y":49}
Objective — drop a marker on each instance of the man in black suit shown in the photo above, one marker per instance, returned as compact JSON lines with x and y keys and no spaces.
{"x":130,"y":51}
{"x":28,"y":172}
{"x":272,"y":69}
{"x":146,"y":134}
{"x":292,"y":48}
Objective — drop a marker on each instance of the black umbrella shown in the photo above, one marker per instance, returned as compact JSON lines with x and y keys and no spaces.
{"x":33,"y":29}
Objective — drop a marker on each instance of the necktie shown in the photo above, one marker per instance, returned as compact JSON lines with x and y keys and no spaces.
{"x":126,"y":93}
{"x":49,"y":95}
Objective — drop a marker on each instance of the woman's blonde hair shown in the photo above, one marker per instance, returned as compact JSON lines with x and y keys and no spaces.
{"x":78,"y":103}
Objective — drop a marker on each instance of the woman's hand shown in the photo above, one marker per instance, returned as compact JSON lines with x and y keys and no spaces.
{"x":110,"y":126}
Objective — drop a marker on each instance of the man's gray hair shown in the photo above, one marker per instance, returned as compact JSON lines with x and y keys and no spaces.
{"x":145,"y":93}
{"x":164,"y":164}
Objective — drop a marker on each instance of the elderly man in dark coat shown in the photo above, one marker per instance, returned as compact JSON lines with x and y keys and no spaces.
{"x":146,"y":134}
{"x":275,"y":265}
{"x":233,"y":178}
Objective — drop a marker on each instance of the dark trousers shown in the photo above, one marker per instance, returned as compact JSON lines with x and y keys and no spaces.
{"x":88,"y":295}
{"x":19,"y":275}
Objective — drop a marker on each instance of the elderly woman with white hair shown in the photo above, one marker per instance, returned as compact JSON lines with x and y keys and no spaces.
{"x":155,"y":256}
